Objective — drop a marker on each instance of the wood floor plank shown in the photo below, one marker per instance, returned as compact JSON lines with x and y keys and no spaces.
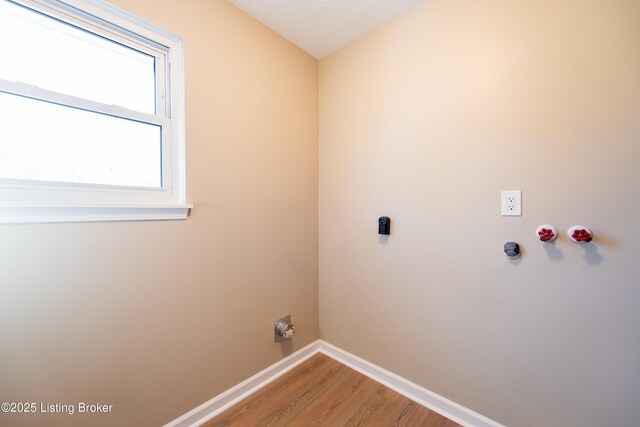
{"x":324,"y":392}
{"x":413,"y":414}
{"x":335,"y":401}
{"x":357,"y":403}
{"x":291,"y":382}
{"x":281,"y":412}
{"x":375,"y":407}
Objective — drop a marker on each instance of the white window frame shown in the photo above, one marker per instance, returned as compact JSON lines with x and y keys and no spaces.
{"x":33,"y":201}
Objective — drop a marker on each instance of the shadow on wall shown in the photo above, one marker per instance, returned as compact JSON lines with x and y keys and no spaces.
{"x":553,"y":252}
{"x":286,"y":347}
{"x":591,"y":254}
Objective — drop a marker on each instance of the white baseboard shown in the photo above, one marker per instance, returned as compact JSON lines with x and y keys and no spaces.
{"x":419,"y":394}
{"x":220,"y":403}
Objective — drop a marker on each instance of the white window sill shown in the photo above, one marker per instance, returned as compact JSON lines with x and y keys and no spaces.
{"x":30,"y":214}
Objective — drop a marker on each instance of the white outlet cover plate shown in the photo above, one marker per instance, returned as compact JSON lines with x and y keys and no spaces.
{"x":512,"y":203}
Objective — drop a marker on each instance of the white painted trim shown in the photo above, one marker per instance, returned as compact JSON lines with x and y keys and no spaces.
{"x":26,"y":90}
{"x":418,"y":394}
{"x":31,"y":202}
{"x":218,"y":404}
{"x":91,"y":213}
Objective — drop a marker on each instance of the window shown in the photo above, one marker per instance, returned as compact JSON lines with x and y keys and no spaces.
{"x":91,"y":115}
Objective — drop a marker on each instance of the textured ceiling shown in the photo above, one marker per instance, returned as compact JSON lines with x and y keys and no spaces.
{"x":323,"y":26}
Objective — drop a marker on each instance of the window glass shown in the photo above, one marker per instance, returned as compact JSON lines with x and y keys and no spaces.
{"x":59,"y":57}
{"x":48,"y":142}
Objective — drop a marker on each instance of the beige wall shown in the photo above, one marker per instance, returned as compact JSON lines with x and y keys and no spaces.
{"x":156,"y":318}
{"x":427,"y":120}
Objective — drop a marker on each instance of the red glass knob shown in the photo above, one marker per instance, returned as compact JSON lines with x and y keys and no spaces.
{"x":546,"y":233}
{"x":580,"y":234}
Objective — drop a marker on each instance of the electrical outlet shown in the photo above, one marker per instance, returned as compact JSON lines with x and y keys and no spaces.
{"x":512,"y":203}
